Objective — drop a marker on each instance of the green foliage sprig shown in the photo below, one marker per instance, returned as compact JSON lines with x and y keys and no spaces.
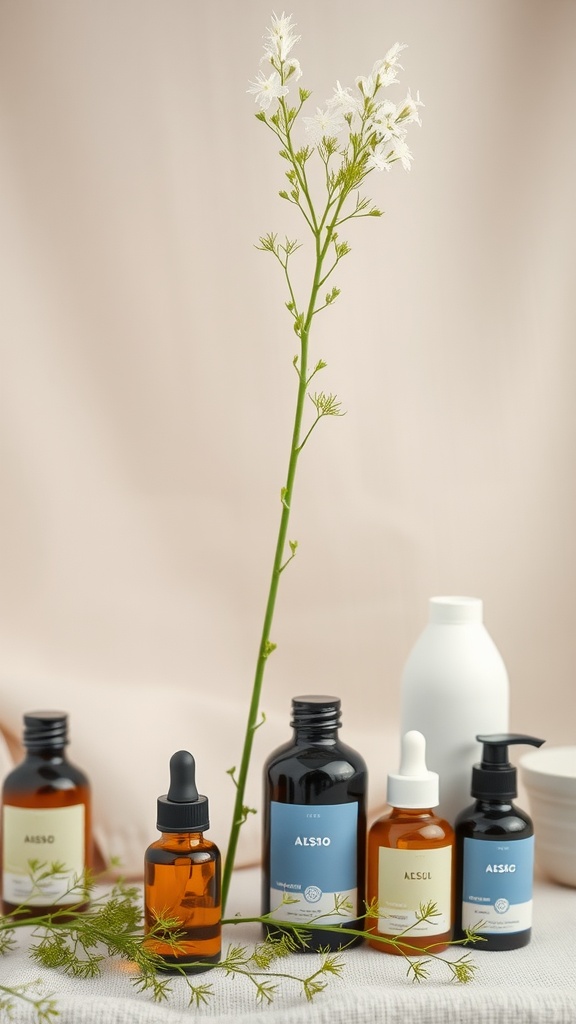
{"x":43,"y":1006}
{"x":78,"y":942}
{"x":358,"y":132}
{"x":418,"y":960}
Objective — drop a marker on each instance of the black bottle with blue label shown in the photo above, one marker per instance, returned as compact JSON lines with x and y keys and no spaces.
{"x":314,"y":827}
{"x":495,"y":852}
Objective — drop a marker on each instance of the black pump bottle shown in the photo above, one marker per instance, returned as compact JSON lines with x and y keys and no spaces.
{"x":495,"y":852}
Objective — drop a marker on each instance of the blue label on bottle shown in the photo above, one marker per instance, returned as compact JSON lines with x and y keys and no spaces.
{"x":313,"y":861}
{"x":497,"y":885}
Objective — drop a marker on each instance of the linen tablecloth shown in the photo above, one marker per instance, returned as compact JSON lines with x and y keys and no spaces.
{"x":534,"y":985}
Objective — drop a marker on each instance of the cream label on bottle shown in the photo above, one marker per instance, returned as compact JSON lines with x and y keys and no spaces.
{"x":313,"y":860}
{"x":409,"y":878}
{"x":497,"y":885}
{"x":49,"y":835}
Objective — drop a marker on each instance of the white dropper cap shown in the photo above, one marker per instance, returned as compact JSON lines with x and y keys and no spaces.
{"x":414,"y":786}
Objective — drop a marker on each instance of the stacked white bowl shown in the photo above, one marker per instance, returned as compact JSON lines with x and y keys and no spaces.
{"x":549,"y":775}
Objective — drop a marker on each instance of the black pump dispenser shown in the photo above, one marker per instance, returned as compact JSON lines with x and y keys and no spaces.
{"x":182,"y":809}
{"x":495,"y":777}
{"x":495,"y":852}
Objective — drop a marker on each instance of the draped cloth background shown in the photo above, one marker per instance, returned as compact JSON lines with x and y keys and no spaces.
{"x":147,"y":386}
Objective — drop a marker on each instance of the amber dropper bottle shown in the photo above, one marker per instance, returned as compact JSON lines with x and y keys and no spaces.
{"x":45,"y":818}
{"x":182,"y":875}
{"x":410,"y":858}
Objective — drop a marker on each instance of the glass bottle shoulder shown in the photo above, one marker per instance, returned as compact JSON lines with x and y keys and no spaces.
{"x":298,"y":758}
{"x":416,"y":828}
{"x":38,"y":773}
{"x":492,"y":820}
{"x":314,"y":773}
{"x":190,"y":846}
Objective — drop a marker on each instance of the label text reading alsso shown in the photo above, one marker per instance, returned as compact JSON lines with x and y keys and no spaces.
{"x":312,"y":841}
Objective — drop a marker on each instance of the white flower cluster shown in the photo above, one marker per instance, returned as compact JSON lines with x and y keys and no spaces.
{"x":277,"y":46}
{"x":381,"y":121}
{"x":388,"y":122}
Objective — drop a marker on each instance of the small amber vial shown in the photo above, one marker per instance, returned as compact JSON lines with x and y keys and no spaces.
{"x":182,"y":877}
{"x":45,"y":821}
{"x":411,"y":860}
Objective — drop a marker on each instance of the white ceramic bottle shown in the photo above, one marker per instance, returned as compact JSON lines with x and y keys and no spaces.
{"x":454,"y":686}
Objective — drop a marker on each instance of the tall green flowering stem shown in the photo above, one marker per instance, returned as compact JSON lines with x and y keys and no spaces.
{"x":374,"y":129}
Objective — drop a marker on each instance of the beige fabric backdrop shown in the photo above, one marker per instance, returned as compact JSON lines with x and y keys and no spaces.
{"x":147,"y":385}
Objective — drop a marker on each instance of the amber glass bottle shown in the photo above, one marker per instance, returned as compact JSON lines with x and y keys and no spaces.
{"x":182,"y":875}
{"x":314,"y":827}
{"x":45,"y":818}
{"x":410,"y":859}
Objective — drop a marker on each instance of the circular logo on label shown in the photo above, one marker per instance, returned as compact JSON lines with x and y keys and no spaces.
{"x":501,"y":906}
{"x":312,"y":893}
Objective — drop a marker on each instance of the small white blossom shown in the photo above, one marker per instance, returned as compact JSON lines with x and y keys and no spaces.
{"x":292,"y":70}
{"x":387,"y":76}
{"x":408,"y":110}
{"x":343,"y":101}
{"x":367,"y":86}
{"x":267,"y":89}
{"x":384,"y":122}
{"x":382,"y":75}
{"x":385,"y":72}
{"x":280,"y":38}
{"x":402,"y":153}
{"x":324,"y":124}
{"x":391,"y":58}
{"x":378,"y":160}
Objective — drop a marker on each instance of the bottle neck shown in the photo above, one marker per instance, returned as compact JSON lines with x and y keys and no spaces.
{"x":183,"y":838}
{"x":49,"y":753}
{"x":412,"y":812}
{"x":315,"y":719}
{"x":315,"y":736}
{"x":496,"y":803}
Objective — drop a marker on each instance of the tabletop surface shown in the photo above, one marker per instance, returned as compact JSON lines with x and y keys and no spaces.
{"x":524,"y":986}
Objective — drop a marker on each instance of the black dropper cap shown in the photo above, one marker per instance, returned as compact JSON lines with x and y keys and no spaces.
{"x":495,"y":777}
{"x":182,"y":809}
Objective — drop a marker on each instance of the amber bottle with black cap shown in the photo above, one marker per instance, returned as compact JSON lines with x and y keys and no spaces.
{"x":46,"y":829}
{"x":182,"y":875}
